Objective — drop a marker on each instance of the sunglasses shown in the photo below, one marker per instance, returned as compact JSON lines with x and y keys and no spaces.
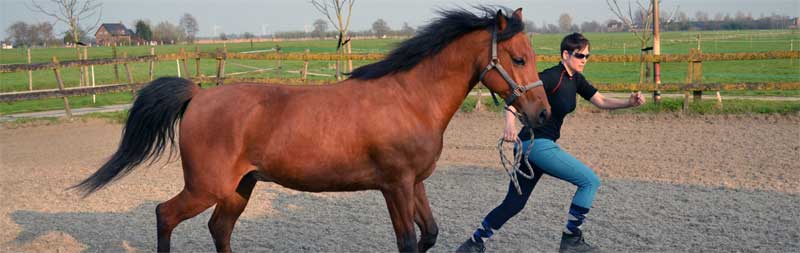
{"x":580,"y":56}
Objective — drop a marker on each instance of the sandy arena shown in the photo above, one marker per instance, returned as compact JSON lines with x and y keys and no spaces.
{"x":669,"y":183}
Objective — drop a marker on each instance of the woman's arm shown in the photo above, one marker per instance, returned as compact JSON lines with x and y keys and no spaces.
{"x":510,"y":130}
{"x":602,"y":102}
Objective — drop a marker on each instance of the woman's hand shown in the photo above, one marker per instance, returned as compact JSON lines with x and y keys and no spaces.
{"x":510,"y":129}
{"x":636,"y":99}
{"x":510,"y":132}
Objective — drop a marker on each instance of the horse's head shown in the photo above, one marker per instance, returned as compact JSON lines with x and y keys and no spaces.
{"x":516,"y":79}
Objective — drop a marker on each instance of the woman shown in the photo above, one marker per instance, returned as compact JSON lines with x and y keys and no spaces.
{"x":562,"y":82}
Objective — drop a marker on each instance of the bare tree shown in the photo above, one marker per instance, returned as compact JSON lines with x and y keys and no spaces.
{"x":338,"y":12}
{"x":641,"y":29}
{"x":72,"y":12}
{"x":564,"y":22}
{"x":189,"y":25}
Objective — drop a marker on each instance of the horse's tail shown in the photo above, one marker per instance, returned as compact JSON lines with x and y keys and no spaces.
{"x":150,"y":124}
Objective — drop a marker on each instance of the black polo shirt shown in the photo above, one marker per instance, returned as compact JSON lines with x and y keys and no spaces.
{"x":562,"y":100}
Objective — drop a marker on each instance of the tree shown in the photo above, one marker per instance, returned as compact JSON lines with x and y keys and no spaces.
{"x":320,"y":27}
{"x":72,"y":12}
{"x":565,"y":22}
{"x":189,"y":25}
{"x":530,"y":26}
{"x":336,"y":8}
{"x":167,"y":32}
{"x":590,"y":27}
{"x":380,"y":28}
{"x":222,"y":36}
{"x":407,"y":30}
{"x":69,"y":37}
{"x":248,"y":35}
{"x":143,"y":30}
{"x":18,"y":33}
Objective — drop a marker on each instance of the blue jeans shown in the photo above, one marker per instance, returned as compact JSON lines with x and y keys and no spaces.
{"x":546,"y":157}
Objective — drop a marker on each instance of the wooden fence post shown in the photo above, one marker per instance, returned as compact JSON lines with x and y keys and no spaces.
{"x":197,"y":60}
{"x":694,"y":76}
{"x":30,"y":73}
{"x":221,"y":56}
{"x":60,"y":82}
{"x":305,"y":66}
{"x":116,"y":66}
{"x":85,"y":67}
{"x":279,"y":68}
{"x":152,"y":62}
{"x":128,"y":72}
{"x":183,"y":60}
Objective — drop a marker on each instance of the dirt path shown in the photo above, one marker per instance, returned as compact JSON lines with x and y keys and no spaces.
{"x":670,"y":183}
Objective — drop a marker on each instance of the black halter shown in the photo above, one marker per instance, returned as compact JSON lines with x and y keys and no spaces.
{"x":494,"y":63}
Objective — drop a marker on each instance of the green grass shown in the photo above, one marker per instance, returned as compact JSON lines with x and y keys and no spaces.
{"x":709,"y":106}
{"x":58,"y":103}
{"x":781,"y":70}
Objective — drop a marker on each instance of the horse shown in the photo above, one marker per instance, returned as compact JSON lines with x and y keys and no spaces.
{"x":380,"y":129}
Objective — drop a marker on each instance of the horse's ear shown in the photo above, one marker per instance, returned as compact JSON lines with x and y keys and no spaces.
{"x":517,"y":14}
{"x":501,"y":20}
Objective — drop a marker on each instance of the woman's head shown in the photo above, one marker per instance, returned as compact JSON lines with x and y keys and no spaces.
{"x":575,"y":52}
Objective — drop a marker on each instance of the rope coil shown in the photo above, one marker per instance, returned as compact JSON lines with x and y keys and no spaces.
{"x":512,"y":167}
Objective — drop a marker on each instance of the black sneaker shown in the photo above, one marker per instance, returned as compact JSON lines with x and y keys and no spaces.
{"x":575,"y":243}
{"x":471,"y":246}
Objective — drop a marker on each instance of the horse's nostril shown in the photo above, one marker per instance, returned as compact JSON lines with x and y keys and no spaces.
{"x":542,"y":117}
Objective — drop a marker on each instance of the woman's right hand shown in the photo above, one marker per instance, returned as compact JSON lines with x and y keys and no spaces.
{"x":510,"y":129}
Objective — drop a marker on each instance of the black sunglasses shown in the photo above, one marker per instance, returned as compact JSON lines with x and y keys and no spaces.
{"x":580,"y":56}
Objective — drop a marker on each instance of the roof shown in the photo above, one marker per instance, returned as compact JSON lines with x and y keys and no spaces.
{"x":116,"y":29}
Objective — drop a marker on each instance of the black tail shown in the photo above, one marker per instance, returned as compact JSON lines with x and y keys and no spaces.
{"x":151,"y":123}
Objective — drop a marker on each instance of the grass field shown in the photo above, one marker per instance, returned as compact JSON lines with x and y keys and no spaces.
{"x":781,"y":70}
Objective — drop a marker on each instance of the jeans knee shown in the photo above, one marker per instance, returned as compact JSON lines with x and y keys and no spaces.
{"x":592,"y":181}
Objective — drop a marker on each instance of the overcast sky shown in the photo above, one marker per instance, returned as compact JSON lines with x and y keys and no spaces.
{"x":269,"y":16}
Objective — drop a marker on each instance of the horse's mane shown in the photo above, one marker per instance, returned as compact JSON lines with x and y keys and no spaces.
{"x":434,"y":37}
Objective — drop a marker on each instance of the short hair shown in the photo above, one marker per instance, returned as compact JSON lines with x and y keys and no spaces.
{"x":574,"y":41}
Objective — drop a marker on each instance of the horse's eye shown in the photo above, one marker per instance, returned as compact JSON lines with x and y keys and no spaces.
{"x":518,"y":61}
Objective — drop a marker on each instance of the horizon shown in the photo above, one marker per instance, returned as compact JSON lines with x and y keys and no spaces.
{"x":237,"y":17}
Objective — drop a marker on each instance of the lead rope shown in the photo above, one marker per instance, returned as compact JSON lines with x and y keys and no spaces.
{"x":512,"y":167}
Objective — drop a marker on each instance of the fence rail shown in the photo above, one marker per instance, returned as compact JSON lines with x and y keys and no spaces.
{"x":221,"y":56}
{"x":7,"y":68}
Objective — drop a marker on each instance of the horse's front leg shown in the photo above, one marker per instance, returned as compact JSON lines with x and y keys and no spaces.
{"x":400,"y":201}
{"x":424,"y":219}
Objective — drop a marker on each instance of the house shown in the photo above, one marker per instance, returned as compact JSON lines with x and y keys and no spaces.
{"x":113,"y":33}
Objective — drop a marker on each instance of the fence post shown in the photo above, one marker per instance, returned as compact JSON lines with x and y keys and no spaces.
{"x":152,"y":62}
{"x":128,"y":72}
{"x":305,"y":66}
{"x":116,"y":66}
{"x":221,"y":56}
{"x":30,"y":73}
{"x":197,"y":60}
{"x":60,"y":82}
{"x":85,"y":67}
{"x":183,"y":60}
{"x":279,"y":68}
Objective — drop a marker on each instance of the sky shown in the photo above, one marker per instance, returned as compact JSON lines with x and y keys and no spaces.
{"x":269,"y":16}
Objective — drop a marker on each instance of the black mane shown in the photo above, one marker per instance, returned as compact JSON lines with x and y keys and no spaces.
{"x":434,"y":37}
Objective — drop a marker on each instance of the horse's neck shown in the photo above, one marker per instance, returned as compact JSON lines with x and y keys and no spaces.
{"x":440,"y":83}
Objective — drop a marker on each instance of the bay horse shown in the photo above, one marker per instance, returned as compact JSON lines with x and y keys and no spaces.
{"x":380,"y":129}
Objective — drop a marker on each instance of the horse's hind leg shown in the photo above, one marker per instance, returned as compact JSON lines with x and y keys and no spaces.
{"x":424,"y":219}
{"x":169,"y":214}
{"x":227,"y":212}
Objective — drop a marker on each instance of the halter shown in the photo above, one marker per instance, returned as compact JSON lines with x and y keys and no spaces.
{"x":494,"y":63}
{"x":512,"y":167}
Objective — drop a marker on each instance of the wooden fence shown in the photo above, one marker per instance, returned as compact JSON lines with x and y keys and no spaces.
{"x":221,"y":56}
